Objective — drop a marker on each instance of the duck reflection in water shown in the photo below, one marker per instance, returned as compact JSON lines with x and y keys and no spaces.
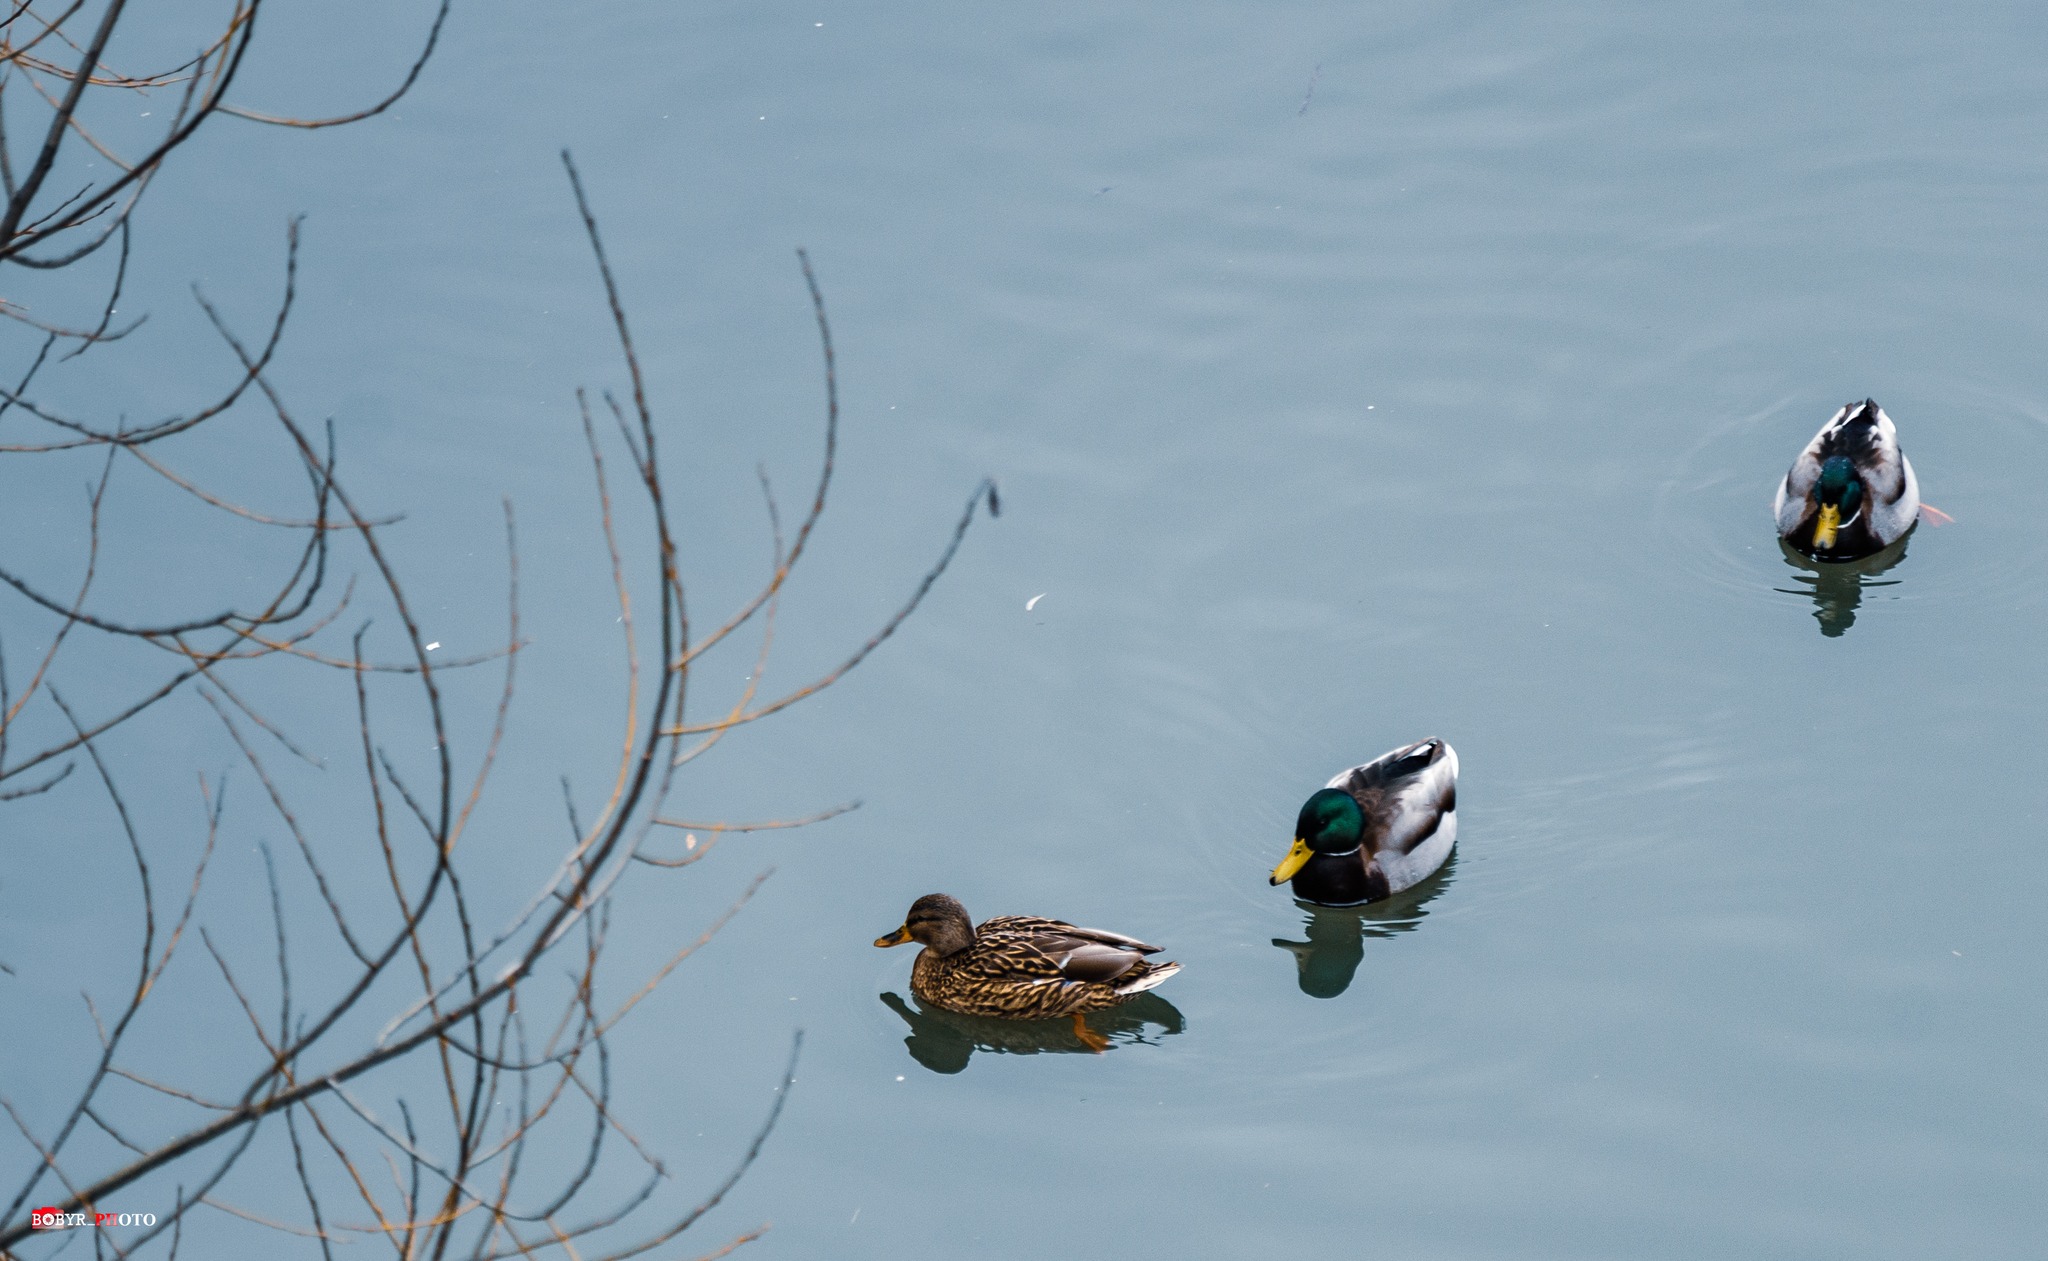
{"x":1327,"y":961}
{"x":943,"y":1041}
{"x":1837,"y":586}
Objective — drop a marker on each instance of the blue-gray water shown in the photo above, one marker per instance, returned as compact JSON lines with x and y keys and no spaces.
{"x":1350,"y":378}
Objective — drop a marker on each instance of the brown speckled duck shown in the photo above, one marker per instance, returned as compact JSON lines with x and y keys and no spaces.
{"x":1021,"y":967}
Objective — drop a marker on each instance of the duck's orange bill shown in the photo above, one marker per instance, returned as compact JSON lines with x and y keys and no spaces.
{"x":1297,"y":858}
{"x":896,"y":938}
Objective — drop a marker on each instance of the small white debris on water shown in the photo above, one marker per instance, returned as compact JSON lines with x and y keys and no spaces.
{"x":1368,"y":407}
{"x":1032,"y":603}
{"x":689,"y":840}
{"x":434,"y":645}
{"x":899,"y":1077}
{"x":856,"y":1213}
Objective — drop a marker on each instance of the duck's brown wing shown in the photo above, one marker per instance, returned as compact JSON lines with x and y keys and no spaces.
{"x":1074,"y":953}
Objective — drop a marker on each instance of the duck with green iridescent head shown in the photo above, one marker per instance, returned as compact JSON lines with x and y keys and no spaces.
{"x":1376,"y":829}
{"x":1852,"y":492}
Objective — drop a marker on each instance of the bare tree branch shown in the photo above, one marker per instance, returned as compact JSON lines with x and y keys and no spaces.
{"x":452,"y":995}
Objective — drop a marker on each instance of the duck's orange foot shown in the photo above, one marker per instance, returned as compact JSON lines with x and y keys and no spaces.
{"x":1089,"y":1038}
{"x":1935,"y":516}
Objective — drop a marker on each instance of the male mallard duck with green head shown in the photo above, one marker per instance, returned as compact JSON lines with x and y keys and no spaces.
{"x":1852,"y":492}
{"x":1021,"y":967}
{"x":1376,"y":829}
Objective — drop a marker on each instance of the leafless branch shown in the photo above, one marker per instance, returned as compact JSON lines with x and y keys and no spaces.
{"x":418,"y":956}
{"x":342,"y":120}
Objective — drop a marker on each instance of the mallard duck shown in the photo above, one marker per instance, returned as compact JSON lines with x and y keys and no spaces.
{"x":1852,"y":492}
{"x":1376,"y":829}
{"x":1021,"y":967}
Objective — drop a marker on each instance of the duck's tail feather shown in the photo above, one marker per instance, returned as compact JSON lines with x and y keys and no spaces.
{"x":1154,"y":973}
{"x":1857,"y":431}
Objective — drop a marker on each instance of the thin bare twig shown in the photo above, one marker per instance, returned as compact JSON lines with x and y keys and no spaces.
{"x":342,"y":120}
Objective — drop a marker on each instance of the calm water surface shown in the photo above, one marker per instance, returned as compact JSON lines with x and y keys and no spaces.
{"x":1350,"y":378}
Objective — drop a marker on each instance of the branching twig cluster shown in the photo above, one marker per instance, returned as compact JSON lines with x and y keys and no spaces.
{"x":53,"y":61}
{"x":459,"y":1170}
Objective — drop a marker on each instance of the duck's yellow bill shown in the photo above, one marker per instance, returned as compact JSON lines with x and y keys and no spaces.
{"x":896,"y":938}
{"x":1830,"y":524}
{"x":1296,"y":859}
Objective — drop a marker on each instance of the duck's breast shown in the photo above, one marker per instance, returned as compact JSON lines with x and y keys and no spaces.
{"x":1340,"y":880}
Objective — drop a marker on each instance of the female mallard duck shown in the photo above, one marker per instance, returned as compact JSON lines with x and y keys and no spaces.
{"x":1376,"y":829}
{"x":1852,"y":492}
{"x":1022,"y":967}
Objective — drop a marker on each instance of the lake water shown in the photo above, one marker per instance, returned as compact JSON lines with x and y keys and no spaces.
{"x":1350,"y":378}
